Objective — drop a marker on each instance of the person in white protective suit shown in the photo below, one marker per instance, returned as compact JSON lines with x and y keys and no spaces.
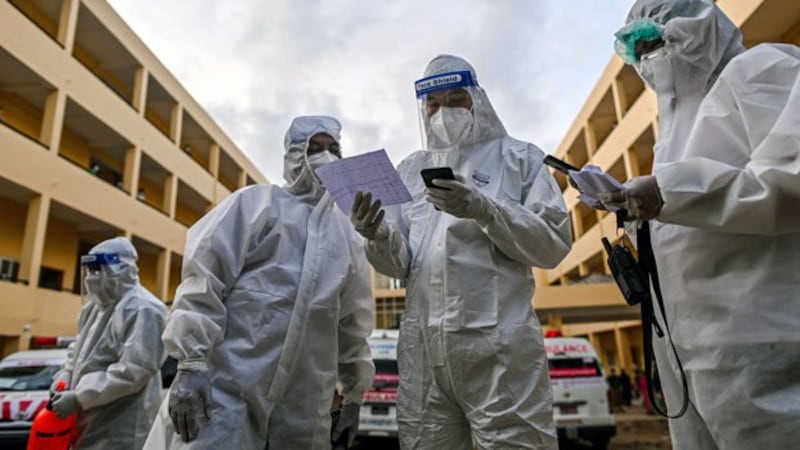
{"x":112,"y":368}
{"x":725,"y":199}
{"x":471,"y":355}
{"x":275,"y":305}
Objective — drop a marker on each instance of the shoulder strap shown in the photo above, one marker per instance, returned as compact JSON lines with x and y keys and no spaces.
{"x":647,"y":262}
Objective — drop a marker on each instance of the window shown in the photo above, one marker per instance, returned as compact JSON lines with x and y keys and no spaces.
{"x":51,"y":278}
{"x":574,"y":368}
{"x":9,"y":269}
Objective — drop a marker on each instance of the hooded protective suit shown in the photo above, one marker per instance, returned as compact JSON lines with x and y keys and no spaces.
{"x":114,"y":363}
{"x":471,"y":353}
{"x":276,"y":301}
{"x":727,"y":239}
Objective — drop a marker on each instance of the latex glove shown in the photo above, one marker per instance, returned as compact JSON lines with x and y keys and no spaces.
{"x":641,"y":198}
{"x":344,"y":430}
{"x":367,"y":217}
{"x":65,"y":403}
{"x":189,"y":402}
{"x":460,"y":199}
{"x":64,"y":376}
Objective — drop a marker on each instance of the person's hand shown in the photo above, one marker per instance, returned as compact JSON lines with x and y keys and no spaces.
{"x":367,"y":217}
{"x":345,"y":428}
{"x":459,"y":199}
{"x":189,"y":402}
{"x":641,"y":198}
{"x":65,"y":403}
{"x":62,"y":377}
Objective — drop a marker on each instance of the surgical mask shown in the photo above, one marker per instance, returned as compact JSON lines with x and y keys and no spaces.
{"x":451,"y":125}
{"x":102,"y":290}
{"x":320,"y":159}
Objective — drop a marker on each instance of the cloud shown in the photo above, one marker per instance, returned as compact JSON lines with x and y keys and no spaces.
{"x":254,"y":65}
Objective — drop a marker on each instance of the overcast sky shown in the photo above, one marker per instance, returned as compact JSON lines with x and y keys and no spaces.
{"x":256,"y":64}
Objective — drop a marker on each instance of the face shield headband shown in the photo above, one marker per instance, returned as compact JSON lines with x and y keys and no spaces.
{"x":94,"y":263}
{"x":445,"y":103}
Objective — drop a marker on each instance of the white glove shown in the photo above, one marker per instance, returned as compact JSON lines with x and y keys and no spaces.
{"x":65,"y":403}
{"x":367,"y":217}
{"x":62,"y":376}
{"x":461,"y":200}
{"x":189,"y":402}
{"x":641,"y":198}
{"x":345,"y":428}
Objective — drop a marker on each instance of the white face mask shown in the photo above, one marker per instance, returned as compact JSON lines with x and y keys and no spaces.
{"x":451,"y":125}
{"x":320,"y":159}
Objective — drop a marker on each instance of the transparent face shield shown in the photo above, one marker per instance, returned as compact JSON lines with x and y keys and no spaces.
{"x":100,"y":274}
{"x":445,"y":103}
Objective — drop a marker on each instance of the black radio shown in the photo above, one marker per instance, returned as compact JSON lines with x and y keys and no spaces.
{"x":629,"y":276}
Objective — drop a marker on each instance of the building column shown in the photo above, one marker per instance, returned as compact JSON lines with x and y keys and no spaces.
{"x":176,"y":124}
{"x":68,"y":24}
{"x":53,"y":119}
{"x":242,"y":178}
{"x":140,"y":90}
{"x":631,"y":160}
{"x":170,"y":200}
{"x":33,"y":242}
{"x":623,"y":350}
{"x":213,"y":160}
{"x":590,"y":136}
{"x":162,"y":274}
{"x":133,"y":164}
{"x":594,"y":339}
{"x":620,"y":104}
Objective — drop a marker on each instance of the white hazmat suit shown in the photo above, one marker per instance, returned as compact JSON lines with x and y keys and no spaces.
{"x":276,"y":305}
{"x":113,"y":365}
{"x":727,"y":240}
{"x":470,"y":353}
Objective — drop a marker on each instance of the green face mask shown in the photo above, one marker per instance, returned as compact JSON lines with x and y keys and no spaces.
{"x":631,"y":34}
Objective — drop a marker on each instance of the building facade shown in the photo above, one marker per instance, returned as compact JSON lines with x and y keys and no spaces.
{"x":97,"y":139}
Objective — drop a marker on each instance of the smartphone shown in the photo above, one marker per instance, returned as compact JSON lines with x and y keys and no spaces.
{"x":560,"y":165}
{"x":428,"y":175}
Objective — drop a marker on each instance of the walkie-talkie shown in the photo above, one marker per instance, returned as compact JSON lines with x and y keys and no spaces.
{"x":627,"y":273}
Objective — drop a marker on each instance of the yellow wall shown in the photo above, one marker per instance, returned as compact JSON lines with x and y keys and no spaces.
{"x":20,"y":115}
{"x":148,"y":264}
{"x":61,"y":250}
{"x":12,"y":228}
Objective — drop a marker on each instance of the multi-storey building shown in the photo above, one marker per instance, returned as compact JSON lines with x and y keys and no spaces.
{"x":97,"y":139}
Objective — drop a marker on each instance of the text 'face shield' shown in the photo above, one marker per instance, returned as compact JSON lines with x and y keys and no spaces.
{"x":445,"y":104}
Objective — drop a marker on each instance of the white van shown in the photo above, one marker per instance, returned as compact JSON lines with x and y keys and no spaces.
{"x":580,"y":393}
{"x":25,"y":379}
{"x":379,"y":410}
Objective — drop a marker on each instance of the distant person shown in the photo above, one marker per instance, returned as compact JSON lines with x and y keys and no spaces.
{"x":626,"y":387}
{"x":725,"y":202}
{"x":112,"y":368}
{"x":274,"y":309}
{"x":471,"y":352}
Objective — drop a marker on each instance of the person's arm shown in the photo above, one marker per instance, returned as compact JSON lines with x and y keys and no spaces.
{"x":140,"y":359}
{"x":216,"y":249}
{"x":357,"y":314}
{"x":535,"y":232}
{"x":762,"y":197}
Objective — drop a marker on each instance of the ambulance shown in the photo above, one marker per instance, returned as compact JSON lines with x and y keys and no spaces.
{"x":25,"y":379}
{"x":379,"y":410}
{"x":580,"y":393}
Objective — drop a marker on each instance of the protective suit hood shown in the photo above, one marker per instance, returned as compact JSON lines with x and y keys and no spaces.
{"x":486,"y":125}
{"x":299,"y":176}
{"x":699,"y":42}
{"x":109,"y":286}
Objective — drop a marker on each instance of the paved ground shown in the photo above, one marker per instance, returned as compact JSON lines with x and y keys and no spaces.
{"x":635,"y":431}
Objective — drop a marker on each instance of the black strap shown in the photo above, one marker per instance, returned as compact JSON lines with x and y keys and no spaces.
{"x":647,"y":262}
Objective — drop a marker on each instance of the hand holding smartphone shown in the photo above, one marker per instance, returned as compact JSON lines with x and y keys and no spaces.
{"x":442,"y":173}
